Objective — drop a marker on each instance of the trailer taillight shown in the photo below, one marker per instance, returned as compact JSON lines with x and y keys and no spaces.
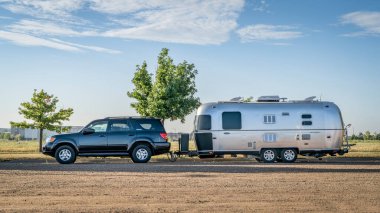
{"x":164,"y":136}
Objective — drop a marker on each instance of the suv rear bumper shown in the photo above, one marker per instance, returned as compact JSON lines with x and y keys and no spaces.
{"x":161,"y":148}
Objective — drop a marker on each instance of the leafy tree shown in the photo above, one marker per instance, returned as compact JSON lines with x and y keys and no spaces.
{"x":378,"y":136}
{"x":42,"y":110}
{"x":17,"y":137}
{"x":367,"y":135}
{"x":143,"y":86}
{"x":171,"y":95}
{"x":360,"y":136}
{"x":353,"y":137}
{"x":6,"y":135}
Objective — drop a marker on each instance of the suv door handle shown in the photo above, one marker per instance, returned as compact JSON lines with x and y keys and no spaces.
{"x":131,"y":135}
{"x":102,"y":136}
{"x":226,"y":133}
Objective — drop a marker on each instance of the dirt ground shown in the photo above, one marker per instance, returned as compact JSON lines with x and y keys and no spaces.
{"x":337,"y":184}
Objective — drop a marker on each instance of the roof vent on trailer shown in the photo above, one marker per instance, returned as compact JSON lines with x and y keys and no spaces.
{"x":311,"y":98}
{"x":270,"y":98}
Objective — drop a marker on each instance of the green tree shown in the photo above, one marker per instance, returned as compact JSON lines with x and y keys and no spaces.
{"x":378,"y":136}
{"x":367,"y":135}
{"x":171,"y":95}
{"x":143,"y":86}
{"x":42,"y":111}
{"x":360,"y":136}
{"x":6,"y":135}
{"x":18,"y":137}
{"x":353,"y":137}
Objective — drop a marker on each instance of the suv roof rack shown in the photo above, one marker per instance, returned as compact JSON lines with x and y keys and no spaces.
{"x":125,"y":117}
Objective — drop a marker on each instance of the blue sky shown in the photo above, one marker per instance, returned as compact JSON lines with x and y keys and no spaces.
{"x":85,"y":52}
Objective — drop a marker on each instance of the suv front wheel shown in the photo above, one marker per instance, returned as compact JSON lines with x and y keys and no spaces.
{"x":65,"y":155}
{"x":141,"y":154}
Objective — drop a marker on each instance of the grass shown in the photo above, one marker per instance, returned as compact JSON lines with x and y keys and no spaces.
{"x":12,"y":150}
{"x":370,"y":148}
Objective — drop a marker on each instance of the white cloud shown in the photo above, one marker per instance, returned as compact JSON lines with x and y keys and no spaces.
{"x":93,"y":48}
{"x":262,"y":32}
{"x":260,"y":6}
{"x":27,"y":40}
{"x":43,"y":8}
{"x":188,"y":21}
{"x":192,"y":22}
{"x":47,"y":28}
{"x":369,"y":22}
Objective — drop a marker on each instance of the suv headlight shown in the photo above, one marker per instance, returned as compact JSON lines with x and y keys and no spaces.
{"x":50,"y":139}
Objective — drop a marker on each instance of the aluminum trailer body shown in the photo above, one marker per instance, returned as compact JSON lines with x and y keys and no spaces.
{"x":310,"y":128}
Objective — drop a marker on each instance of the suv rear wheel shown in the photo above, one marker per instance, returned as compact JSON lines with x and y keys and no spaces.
{"x":141,"y":154}
{"x":65,"y":155}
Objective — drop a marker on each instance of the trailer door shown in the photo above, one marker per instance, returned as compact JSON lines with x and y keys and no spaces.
{"x":231,"y":138}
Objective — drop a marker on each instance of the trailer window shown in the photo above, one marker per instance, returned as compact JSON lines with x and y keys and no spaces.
{"x":270,"y":137}
{"x":307,"y":123}
{"x":269,"y":119}
{"x":306,"y":116}
{"x":231,"y":120}
{"x":203,"y":122}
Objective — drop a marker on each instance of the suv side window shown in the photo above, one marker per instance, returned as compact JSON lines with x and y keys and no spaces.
{"x":119,"y":126}
{"x":148,"y":124}
{"x":99,"y":126}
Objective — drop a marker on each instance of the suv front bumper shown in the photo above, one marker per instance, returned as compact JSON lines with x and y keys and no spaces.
{"x":47,"y":149}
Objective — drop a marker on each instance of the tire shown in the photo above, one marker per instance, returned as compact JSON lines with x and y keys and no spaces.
{"x":206,"y":156}
{"x":268,"y":155}
{"x":288,"y":155}
{"x":141,"y":154}
{"x":65,"y":155}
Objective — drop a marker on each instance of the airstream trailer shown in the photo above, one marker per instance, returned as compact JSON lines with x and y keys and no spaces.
{"x":271,"y":129}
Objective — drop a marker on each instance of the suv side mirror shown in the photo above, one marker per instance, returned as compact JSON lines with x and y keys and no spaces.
{"x":88,"y":131}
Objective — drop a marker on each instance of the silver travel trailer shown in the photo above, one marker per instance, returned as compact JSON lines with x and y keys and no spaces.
{"x":271,"y":128}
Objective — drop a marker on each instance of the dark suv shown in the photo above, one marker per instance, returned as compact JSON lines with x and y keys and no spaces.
{"x":137,"y":137}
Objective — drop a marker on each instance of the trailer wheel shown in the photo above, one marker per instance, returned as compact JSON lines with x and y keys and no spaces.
{"x":206,"y":156}
{"x":288,"y":155}
{"x":268,"y":155}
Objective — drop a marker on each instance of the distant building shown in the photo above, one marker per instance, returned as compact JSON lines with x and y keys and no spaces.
{"x":33,"y":134}
{"x":2,"y":130}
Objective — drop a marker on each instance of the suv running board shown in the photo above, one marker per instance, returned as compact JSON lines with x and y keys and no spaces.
{"x":105,"y":154}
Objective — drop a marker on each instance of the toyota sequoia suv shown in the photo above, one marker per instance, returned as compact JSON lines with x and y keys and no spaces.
{"x":137,"y":137}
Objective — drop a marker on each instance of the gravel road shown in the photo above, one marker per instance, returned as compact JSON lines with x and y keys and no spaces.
{"x":191,"y":185}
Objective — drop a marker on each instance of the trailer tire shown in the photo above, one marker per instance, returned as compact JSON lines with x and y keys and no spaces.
{"x":206,"y":156}
{"x":289,"y":155}
{"x":268,"y":155}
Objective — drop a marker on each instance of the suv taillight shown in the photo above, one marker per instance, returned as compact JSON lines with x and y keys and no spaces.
{"x":164,"y":136}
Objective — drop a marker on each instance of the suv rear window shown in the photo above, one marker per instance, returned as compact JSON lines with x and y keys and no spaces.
{"x":149,"y":124}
